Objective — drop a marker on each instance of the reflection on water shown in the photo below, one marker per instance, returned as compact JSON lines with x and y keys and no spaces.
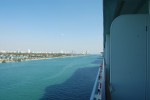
{"x":78,"y":87}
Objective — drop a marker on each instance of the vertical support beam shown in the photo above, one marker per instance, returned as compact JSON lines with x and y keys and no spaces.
{"x":148,"y":56}
{"x":107,"y":56}
{"x":149,"y":6}
{"x":107,"y":66}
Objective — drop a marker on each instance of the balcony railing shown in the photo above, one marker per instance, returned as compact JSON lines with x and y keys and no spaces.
{"x":98,"y":92}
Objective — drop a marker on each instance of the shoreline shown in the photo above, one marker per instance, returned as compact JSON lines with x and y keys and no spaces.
{"x":9,"y":61}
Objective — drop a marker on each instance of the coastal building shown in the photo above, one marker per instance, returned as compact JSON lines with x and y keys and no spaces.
{"x":29,"y":51}
{"x":61,"y":51}
{"x":2,"y":51}
{"x":84,"y":52}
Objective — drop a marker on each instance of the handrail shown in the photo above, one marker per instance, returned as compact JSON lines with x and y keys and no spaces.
{"x":95,"y":86}
{"x":99,"y":84}
{"x":103,"y":82}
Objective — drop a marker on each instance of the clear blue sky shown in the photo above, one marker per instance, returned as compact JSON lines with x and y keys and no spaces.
{"x":51,"y":25}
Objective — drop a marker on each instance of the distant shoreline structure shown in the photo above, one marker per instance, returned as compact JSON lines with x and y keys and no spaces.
{"x":19,"y":57}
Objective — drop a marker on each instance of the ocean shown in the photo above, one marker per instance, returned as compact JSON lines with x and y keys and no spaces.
{"x":70,"y":78}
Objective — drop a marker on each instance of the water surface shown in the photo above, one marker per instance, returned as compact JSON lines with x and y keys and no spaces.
{"x":51,"y":79}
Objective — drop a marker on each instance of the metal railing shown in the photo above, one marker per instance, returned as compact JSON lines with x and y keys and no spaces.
{"x":95,"y":86}
{"x":98,"y":92}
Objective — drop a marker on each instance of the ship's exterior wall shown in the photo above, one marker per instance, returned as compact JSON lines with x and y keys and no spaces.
{"x":128,"y":57}
{"x":148,"y":60}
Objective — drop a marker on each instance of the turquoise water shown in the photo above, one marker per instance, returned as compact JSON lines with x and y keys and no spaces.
{"x":29,"y":80}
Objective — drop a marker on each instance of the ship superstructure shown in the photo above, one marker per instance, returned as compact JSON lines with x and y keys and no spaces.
{"x":126,"y":66}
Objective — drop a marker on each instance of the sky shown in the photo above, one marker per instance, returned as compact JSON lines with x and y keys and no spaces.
{"x":51,"y":25}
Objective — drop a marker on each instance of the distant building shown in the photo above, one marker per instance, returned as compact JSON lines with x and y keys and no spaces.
{"x":2,"y":51}
{"x":85,"y":52}
{"x":29,"y":51}
{"x":61,"y":51}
